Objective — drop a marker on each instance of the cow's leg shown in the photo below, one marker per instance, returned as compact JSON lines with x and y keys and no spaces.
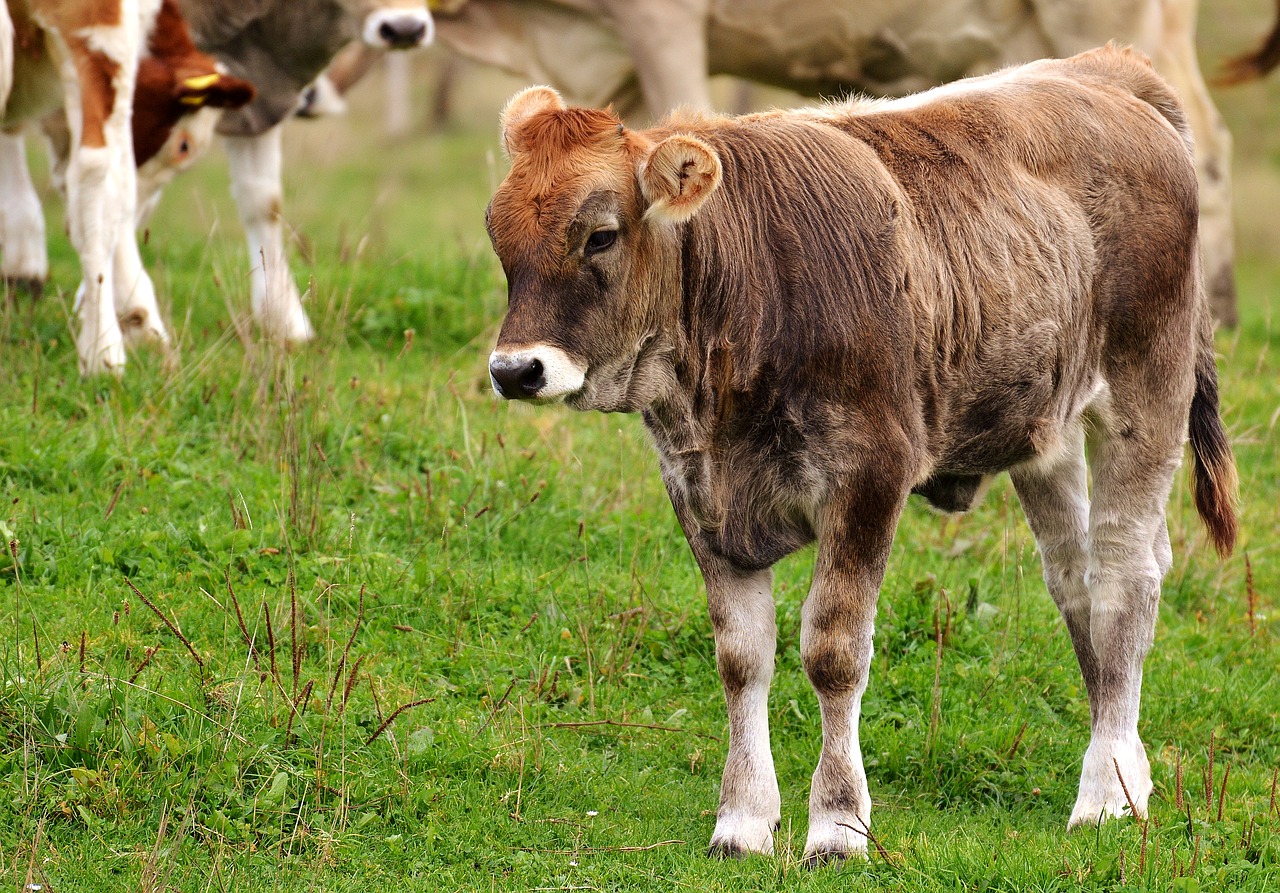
{"x":1054,"y":492}
{"x":1176,"y":60}
{"x":135,"y":296}
{"x":742,"y":615}
{"x":255,"y":183}
{"x":855,"y":532}
{"x":99,"y":65}
{"x":24,"y":259}
{"x":667,"y":40}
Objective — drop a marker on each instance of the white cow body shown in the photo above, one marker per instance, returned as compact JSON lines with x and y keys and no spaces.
{"x":661,"y":51}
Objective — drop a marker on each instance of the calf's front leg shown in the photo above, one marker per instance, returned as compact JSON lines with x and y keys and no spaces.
{"x":742,"y":616}
{"x":837,"y":624}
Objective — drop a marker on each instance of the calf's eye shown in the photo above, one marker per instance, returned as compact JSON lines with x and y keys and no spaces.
{"x":600,"y":240}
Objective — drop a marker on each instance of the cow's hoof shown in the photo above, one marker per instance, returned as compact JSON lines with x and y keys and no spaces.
{"x":109,"y":361}
{"x":142,"y":327}
{"x":24,"y":285}
{"x":727,"y":849}
{"x":820,"y":857}
{"x":293,"y":330}
{"x":740,"y":834}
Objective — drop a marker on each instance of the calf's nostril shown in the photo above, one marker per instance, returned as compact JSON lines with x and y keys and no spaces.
{"x":518,"y":378}
{"x":532,"y":378}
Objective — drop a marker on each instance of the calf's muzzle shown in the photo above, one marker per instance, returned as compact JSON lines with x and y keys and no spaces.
{"x":537,"y":372}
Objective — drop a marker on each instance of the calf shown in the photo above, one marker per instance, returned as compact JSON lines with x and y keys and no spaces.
{"x":819,"y":312}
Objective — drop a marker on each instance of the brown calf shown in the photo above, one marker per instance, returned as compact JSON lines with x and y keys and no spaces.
{"x":819,"y":312}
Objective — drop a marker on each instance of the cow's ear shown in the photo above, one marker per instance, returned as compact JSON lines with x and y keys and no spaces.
{"x":215,"y":89}
{"x":679,"y":174}
{"x":523,"y":106}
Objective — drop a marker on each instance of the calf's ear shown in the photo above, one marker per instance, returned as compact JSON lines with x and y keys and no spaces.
{"x":521,"y":107}
{"x":677,"y":177}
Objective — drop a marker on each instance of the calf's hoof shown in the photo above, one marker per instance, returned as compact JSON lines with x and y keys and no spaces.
{"x":820,"y":858}
{"x":737,"y":839}
{"x":108,"y":359}
{"x":1115,"y":777}
{"x":143,"y":327}
{"x":289,"y":330}
{"x":834,"y":840}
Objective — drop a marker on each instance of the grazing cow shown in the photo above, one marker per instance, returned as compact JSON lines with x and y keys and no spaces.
{"x":821,"y":311}
{"x":661,"y":51}
{"x":281,"y":46}
{"x":172,"y":82}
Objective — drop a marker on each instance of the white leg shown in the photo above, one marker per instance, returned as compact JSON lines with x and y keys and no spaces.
{"x":23,"y":250}
{"x":742,"y":614}
{"x":255,"y":184}
{"x":1175,"y":58}
{"x":135,"y":296}
{"x":667,"y":40}
{"x":1054,"y":492}
{"x":1128,"y":554}
{"x":98,"y":65}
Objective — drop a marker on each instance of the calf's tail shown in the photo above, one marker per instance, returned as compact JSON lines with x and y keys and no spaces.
{"x":1214,"y":478}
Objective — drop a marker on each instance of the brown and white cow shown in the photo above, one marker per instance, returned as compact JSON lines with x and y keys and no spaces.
{"x":658,"y":53}
{"x":85,"y":53}
{"x":819,"y":312}
{"x":172,"y":81}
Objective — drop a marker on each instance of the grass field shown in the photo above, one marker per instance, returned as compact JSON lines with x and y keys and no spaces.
{"x":339,"y":620}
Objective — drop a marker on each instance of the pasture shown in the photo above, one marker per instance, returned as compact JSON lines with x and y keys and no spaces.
{"x":338,"y":619}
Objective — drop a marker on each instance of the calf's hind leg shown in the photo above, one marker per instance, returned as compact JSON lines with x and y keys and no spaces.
{"x":1128,"y":555}
{"x":1054,"y":492}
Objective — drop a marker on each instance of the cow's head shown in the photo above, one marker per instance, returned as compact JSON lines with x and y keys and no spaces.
{"x":166,"y":93}
{"x":393,"y":24}
{"x":188,"y":140}
{"x":588,"y":228}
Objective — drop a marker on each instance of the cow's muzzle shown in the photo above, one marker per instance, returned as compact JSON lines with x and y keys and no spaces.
{"x":540,"y":372}
{"x":399,"y":29}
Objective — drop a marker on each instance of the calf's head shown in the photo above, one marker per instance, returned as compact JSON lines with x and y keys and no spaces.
{"x":588,"y":226}
{"x":393,"y":24}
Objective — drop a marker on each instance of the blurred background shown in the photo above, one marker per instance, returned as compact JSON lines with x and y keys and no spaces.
{"x":411,"y":179}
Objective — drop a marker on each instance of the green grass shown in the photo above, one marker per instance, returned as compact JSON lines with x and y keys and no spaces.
{"x":385,"y":533}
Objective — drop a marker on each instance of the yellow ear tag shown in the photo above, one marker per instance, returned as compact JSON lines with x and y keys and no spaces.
{"x":201,"y":81}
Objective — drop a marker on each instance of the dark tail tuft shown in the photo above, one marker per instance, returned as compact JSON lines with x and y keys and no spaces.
{"x":1215,"y":481}
{"x":1257,"y":64}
